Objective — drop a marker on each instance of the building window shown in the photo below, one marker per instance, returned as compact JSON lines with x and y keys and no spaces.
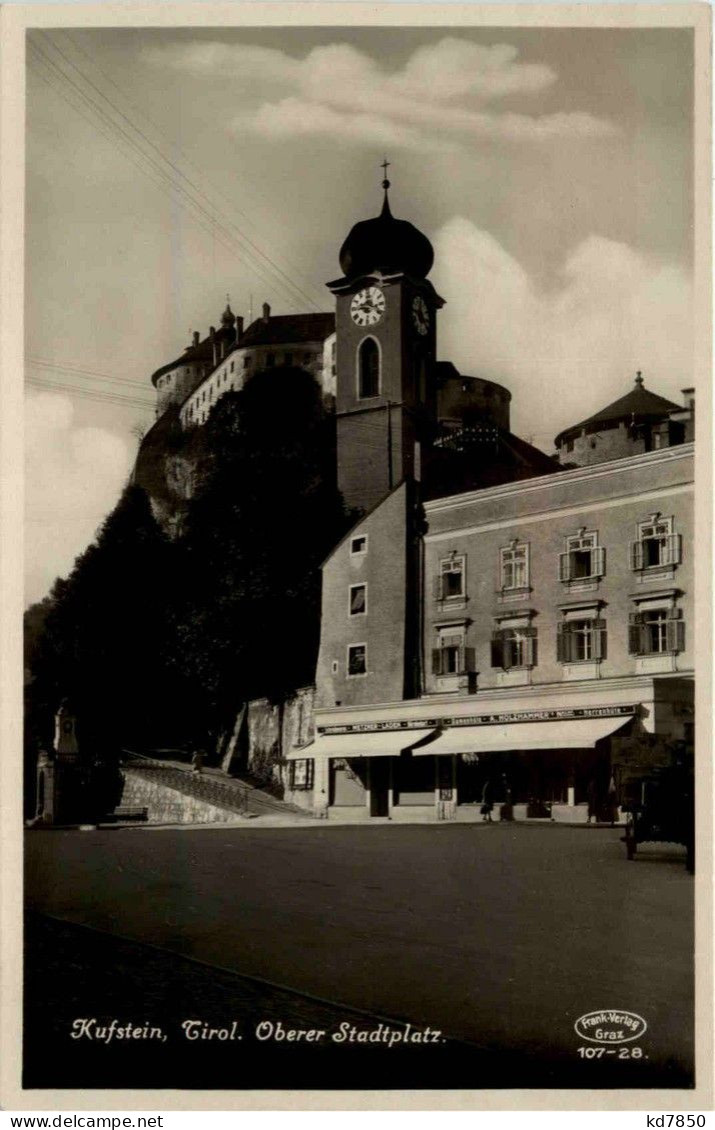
{"x":451,"y":582}
{"x":514,"y":566}
{"x":307,"y":358}
{"x":270,"y":360}
{"x":287,"y":358}
{"x":656,"y":631}
{"x":583,"y":558}
{"x":232,"y":364}
{"x":301,"y":773}
{"x":358,"y":600}
{"x":514,"y":646}
{"x":656,"y":545}
{"x":246,"y":361}
{"x":357,"y":659}
{"x":451,"y":657}
{"x":368,"y":369}
{"x":581,"y":640}
{"x":358,"y":545}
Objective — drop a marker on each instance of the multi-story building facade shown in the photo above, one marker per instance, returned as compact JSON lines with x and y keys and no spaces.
{"x":527,"y":632}
{"x":526,"y":637}
{"x":301,"y":340}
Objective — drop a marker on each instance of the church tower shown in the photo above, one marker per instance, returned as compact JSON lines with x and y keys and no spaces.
{"x":386,"y":345}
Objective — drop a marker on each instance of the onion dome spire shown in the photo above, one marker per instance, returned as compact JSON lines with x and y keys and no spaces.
{"x":385,"y":184}
{"x":228,"y":318}
{"x":386,"y":244}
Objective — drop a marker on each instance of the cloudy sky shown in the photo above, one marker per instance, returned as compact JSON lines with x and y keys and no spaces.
{"x":551,"y":168}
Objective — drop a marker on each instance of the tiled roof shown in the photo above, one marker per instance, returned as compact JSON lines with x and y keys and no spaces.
{"x":637,"y":405}
{"x":287,"y":329}
{"x":200,"y":354}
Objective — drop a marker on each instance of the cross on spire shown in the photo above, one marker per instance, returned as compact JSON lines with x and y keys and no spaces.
{"x":385,"y":166}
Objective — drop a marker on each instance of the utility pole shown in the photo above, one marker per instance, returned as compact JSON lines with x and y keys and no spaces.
{"x":389,"y":444}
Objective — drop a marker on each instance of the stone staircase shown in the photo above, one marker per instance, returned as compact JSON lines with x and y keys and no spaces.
{"x":207,"y":797}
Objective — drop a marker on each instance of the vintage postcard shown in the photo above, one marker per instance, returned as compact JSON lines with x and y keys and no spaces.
{"x":354,"y":751}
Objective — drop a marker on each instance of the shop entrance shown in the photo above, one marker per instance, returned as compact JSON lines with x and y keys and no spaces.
{"x":379,"y":786}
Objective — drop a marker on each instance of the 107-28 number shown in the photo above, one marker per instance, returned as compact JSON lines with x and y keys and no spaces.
{"x":621,"y":1053}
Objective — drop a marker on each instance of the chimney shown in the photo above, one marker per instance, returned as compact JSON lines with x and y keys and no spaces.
{"x":688,"y":398}
{"x":239,"y":328}
{"x":197,"y":337}
{"x":266,"y":312}
{"x":212,"y":334}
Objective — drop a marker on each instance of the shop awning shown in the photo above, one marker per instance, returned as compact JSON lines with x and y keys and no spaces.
{"x":580,"y":733}
{"x":382,"y":743}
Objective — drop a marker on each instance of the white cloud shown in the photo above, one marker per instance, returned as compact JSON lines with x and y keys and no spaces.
{"x":73,"y":478}
{"x":438,"y":98}
{"x":566,"y":351}
{"x":293,"y":117}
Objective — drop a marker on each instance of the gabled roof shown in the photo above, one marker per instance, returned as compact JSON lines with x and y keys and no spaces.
{"x":288,"y":329}
{"x":637,"y":406}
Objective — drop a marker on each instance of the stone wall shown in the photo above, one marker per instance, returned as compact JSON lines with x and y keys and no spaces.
{"x":168,"y":806}
{"x":262,"y":737}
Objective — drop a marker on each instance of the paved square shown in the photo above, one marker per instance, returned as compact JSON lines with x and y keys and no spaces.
{"x":502,"y":935}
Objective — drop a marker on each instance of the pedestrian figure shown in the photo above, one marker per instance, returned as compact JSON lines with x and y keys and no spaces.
{"x":592,"y":798}
{"x":197,"y":761}
{"x":612,"y":801}
{"x":506,"y":812}
{"x":487,"y":802}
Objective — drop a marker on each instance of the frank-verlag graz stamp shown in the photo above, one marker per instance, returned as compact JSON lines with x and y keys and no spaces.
{"x":359,"y":736}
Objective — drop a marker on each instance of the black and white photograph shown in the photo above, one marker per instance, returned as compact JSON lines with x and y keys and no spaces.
{"x":366,"y":565}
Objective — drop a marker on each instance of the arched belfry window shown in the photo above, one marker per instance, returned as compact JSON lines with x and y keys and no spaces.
{"x":368,"y":369}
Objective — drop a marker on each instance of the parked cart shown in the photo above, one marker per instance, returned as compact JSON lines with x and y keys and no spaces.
{"x":661,"y":810}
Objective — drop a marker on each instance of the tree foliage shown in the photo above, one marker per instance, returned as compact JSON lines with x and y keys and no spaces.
{"x":158,"y":640}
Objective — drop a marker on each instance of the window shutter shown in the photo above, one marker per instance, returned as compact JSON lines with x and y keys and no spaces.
{"x":599,"y":639}
{"x":470,"y":663}
{"x":564,"y":566}
{"x":636,"y":555}
{"x":635,"y":634}
{"x":675,"y":631}
{"x":310,"y":767}
{"x":598,"y":561}
{"x":561,"y":638}
{"x":437,"y":587}
{"x":437,"y":660}
{"x":530,"y":647}
{"x":497,"y":650}
{"x":672,"y":550}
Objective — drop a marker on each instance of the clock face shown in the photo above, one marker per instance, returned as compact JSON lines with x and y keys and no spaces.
{"x":420,"y":314}
{"x":368,"y":306}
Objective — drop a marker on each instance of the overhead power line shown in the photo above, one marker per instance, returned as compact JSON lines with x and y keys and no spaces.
{"x":161,"y":170}
{"x":78,"y":370}
{"x":296,"y":271}
{"x":91,"y":394}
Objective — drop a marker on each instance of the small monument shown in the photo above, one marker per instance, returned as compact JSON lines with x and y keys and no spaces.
{"x":58,"y":776}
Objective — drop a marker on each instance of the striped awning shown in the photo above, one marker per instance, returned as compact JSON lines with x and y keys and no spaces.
{"x":380,"y":743}
{"x":579,"y":733}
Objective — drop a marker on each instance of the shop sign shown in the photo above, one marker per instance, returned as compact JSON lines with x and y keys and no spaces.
{"x":563,"y":715}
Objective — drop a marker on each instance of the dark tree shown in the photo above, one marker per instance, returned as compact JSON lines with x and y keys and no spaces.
{"x":103,"y":644}
{"x":157,"y":641}
{"x":266,"y":514}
